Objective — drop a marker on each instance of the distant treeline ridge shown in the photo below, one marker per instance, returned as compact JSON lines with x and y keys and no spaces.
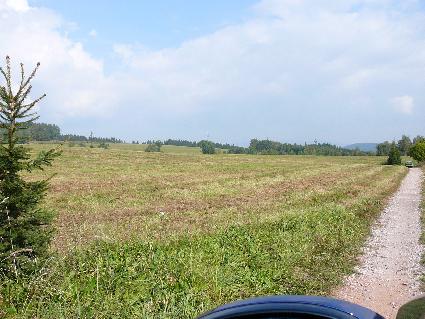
{"x":268,"y":147}
{"x":51,"y":132}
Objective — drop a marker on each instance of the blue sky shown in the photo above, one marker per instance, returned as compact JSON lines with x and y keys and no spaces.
{"x":155,"y":24}
{"x":290,"y":70}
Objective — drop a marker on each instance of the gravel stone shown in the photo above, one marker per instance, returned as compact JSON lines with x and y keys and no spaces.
{"x":389,"y":269}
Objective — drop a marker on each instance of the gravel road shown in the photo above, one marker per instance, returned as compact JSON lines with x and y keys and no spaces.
{"x":389,"y":270}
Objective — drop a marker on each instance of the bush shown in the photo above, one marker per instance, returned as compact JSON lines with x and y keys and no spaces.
{"x":417,"y":151}
{"x":394,"y":157}
{"x":207,"y":147}
{"x":156,"y":147}
{"x":104,"y":145}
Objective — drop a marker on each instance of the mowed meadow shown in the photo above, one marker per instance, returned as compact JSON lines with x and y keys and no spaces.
{"x":173,"y":234}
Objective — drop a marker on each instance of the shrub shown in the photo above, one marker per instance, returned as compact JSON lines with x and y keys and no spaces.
{"x":104,"y":145}
{"x":417,"y":151}
{"x":156,"y":147}
{"x":207,"y":147}
{"x":394,"y":157}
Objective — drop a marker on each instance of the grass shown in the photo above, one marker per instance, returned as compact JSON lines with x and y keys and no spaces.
{"x":173,"y":234}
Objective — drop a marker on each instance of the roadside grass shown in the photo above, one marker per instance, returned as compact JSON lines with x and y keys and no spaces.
{"x":307,"y":252}
{"x":171,"y":235}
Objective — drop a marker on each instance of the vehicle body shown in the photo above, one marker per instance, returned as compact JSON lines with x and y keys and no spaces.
{"x":294,"y":307}
{"x":409,"y":164}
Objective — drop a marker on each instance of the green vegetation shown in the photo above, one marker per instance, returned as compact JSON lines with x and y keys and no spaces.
{"x":207,"y":147}
{"x":394,"y":157}
{"x":25,"y":229}
{"x":172,"y":234}
{"x":40,"y":132}
{"x":417,"y":151}
{"x":177,"y":142}
{"x":154,"y":147}
{"x":51,"y":132}
{"x":103,"y":145}
{"x":414,"y":309}
{"x":268,"y":147}
{"x":305,"y":253}
{"x":404,"y":145}
{"x":365,"y":147}
{"x":82,"y":138}
{"x":383,"y":149}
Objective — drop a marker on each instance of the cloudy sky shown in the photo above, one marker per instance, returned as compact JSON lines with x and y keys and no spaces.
{"x":289,"y":70}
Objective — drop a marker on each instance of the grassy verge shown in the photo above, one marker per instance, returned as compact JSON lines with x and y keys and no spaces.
{"x":306,"y":252}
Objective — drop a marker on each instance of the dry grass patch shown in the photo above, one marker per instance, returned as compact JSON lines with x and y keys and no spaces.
{"x":124,"y":193}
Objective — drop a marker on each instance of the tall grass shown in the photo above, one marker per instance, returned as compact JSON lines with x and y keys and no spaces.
{"x":306,"y":252}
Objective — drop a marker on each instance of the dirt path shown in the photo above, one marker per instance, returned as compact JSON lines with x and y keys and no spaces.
{"x":389,"y":270}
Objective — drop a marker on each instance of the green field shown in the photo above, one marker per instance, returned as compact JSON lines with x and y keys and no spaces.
{"x":172,"y":234}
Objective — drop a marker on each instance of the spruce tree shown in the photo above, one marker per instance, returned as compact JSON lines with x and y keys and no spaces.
{"x":25,"y":227}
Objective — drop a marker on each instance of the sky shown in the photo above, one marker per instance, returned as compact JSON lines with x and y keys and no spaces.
{"x":288,"y":70}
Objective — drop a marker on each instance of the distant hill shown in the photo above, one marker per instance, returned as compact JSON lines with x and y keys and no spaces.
{"x":365,"y":147}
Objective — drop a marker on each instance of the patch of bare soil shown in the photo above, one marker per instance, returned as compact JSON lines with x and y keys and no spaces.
{"x":389,"y":270}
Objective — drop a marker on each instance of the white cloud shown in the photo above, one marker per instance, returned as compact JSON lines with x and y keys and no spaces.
{"x":403,"y":104}
{"x":332,"y":51}
{"x":320,"y":58}
{"x":17,"y":5}
{"x":74,"y":80}
{"x":124,"y":51}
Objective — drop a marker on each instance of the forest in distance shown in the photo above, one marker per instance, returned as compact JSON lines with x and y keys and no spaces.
{"x":39,"y":132}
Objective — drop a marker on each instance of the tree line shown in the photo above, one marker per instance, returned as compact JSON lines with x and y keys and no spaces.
{"x":403,"y":145}
{"x":268,"y":147}
{"x":179,"y":142}
{"x":51,"y":132}
{"x":82,"y":138}
{"x":263,"y":147}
